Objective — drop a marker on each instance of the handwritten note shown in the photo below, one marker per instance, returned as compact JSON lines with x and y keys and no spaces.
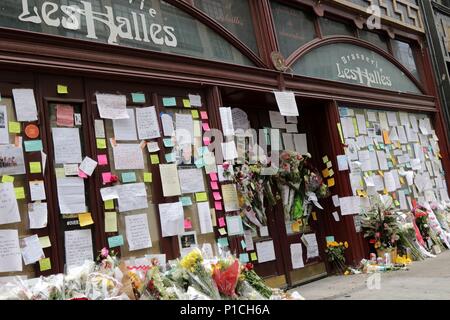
{"x":25,"y":105}
{"x":8,"y":204}
{"x":147,"y":123}
{"x":67,"y":145}
{"x":125,"y":129}
{"x":112,"y":106}
{"x":172,"y":219}
{"x":128,"y":157}
{"x":137,"y":231}
{"x":169,"y":180}
{"x":78,"y":247}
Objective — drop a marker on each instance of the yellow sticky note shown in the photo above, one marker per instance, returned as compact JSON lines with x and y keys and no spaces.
{"x":35,"y":167}
{"x":20,"y":193}
{"x":201,"y":197}
{"x":148,"y":177}
{"x":45,"y":242}
{"x":45,"y":264}
{"x":109,"y":204}
{"x":222,"y":231}
{"x":295,"y":226}
{"x":340,"y":132}
{"x":101,"y":143}
{"x":62,"y":89}
{"x":331,"y":182}
{"x":325,"y":159}
{"x":355,"y":125}
{"x":110,"y":221}
{"x":154,"y":159}
{"x":381,"y":173}
{"x":186,"y":103}
{"x":253,"y":256}
{"x":7,"y":179}
{"x":314,"y":215}
{"x":85,"y":219}
{"x":14,"y":127}
{"x":60,"y":172}
{"x":402,"y":180}
{"x":325,"y":173}
{"x":386,"y":138}
{"x":195,"y":114}
{"x":330,"y":172}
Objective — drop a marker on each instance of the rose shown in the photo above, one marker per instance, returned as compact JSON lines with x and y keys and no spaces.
{"x":225,"y":165}
{"x":104,"y":252}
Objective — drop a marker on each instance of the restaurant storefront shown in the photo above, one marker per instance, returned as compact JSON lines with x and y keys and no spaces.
{"x":182,"y":64}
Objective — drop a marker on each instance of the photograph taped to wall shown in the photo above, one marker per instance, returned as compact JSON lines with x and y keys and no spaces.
{"x":11,"y":160}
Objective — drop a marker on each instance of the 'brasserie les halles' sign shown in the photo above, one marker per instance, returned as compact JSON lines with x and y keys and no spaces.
{"x":138,"y":25}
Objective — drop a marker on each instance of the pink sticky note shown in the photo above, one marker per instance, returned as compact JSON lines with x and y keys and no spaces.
{"x":81,"y":174}
{"x":214,"y":185}
{"x":204,"y":115}
{"x":106,"y":177}
{"x":218,"y":205}
{"x":213,"y":176}
{"x":222,"y":222}
{"x":205,"y":126}
{"x":102,"y":160}
{"x":206,"y":141}
{"x":187,"y":224}
{"x":217,"y":196}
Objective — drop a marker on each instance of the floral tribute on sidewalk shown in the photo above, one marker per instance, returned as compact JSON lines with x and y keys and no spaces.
{"x":189,"y":278}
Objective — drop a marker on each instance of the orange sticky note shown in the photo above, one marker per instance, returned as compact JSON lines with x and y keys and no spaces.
{"x":85,"y":219}
{"x":331,"y":182}
{"x":325,"y":173}
{"x":386,"y":138}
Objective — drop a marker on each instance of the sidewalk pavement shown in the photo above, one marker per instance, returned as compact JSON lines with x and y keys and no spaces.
{"x":429,"y":280}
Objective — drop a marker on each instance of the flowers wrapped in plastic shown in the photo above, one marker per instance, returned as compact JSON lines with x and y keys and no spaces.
{"x":249,"y":275}
{"x":226,"y":275}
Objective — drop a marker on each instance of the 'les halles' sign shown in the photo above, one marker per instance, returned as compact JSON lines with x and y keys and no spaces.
{"x":137,"y":26}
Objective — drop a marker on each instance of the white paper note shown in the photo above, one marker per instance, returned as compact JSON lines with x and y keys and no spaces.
{"x":132,"y":196}
{"x":99,"y":128}
{"x":167,"y":124}
{"x":349,"y":205}
{"x":9,"y":210}
{"x":78,"y":247}
{"x":128,"y":157}
{"x":4,"y":133}
{"x":10,"y":254}
{"x":169,"y":180}
{"x":71,"y":195}
{"x":227,"y":121}
{"x":195,"y":100}
{"x":265,"y":251}
{"x":300,"y":143}
{"x":25,"y":105}
{"x":147,"y":123}
{"x":229,"y":150}
{"x":204,"y":217}
{"x":37,"y":214}
{"x":297,"y":256}
{"x":342,"y":162}
{"x":277,"y":121}
{"x":361,"y":121}
{"x":31,"y":249}
{"x":137,"y":231}
{"x":286,"y":103}
{"x":389,"y":182}
{"x":249,"y":240}
{"x":37,"y":190}
{"x":312,"y":248}
{"x":88,"y":166}
{"x":125,"y":129}
{"x":184,"y":129}
{"x":172,"y":219}
{"x":67,"y":145}
{"x":111,"y":106}
{"x":191,"y":180}
{"x":288,"y":141}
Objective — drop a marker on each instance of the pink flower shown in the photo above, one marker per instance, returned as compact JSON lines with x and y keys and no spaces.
{"x":105,"y":252}
{"x":377,"y":235}
{"x":286,"y":167}
{"x":225,"y":165}
{"x":285,"y":156}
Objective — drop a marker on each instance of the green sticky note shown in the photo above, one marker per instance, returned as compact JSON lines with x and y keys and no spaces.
{"x":6,"y":179}
{"x":223,"y":242}
{"x":253,"y":256}
{"x":186,"y":201}
{"x":222,"y":231}
{"x":168,"y":142}
{"x":138,"y":97}
{"x":116,"y":241}
{"x":170,"y":102}
{"x":186,"y":103}
{"x":148,"y":177}
{"x":195,"y":114}
{"x":154,"y":159}
{"x":109,"y":204}
{"x":45,"y":264}
{"x":14,"y":127}
{"x":33,"y":145}
{"x":45,"y":242}
{"x":128,"y":177}
{"x":201,"y":197}
{"x":62,"y":89}
{"x":20,"y":193}
{"x":397,"y":203}
{"x":101,"y":143}
{"x":35,"y":167}
{"x":243,"y":258}
{"x":170,"y":157}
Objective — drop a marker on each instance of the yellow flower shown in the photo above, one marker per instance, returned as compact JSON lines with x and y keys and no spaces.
{"x":341,"y":244}
{"x":346,"y":244}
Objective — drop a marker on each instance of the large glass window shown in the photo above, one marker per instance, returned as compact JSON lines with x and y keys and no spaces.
{"x":234,"y":15}
{"x":331,"y":27}
{"x":374,"y":38}
{"x":404,"y":53}
{"x":294,"y":27}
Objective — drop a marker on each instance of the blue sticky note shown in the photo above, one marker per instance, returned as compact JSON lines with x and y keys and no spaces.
{"x":243,"y":244}
{"x":116,"y":241}
{"x":223,"y":242}
{"x":170,"y":157}
{"x":202,"y":150}
{"x":170,"y":102}
{"x":243,"y":258}
{"x":371,"y":147}
{"x":33,"y":145}
{"x":186,"y":201}
{"x":168,"y":142}
{"x":138,"y":97}
{"x":200,"y":163}
{"x":128,"y":177}
{"x":329,"y":239}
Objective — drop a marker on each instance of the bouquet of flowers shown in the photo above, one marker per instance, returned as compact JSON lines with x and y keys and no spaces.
{"x":194,"y":273}
{"x":226,"y":275}
{"x":251,"y":277}
{"x":335,"y":252}
{"x":156,"y":284}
